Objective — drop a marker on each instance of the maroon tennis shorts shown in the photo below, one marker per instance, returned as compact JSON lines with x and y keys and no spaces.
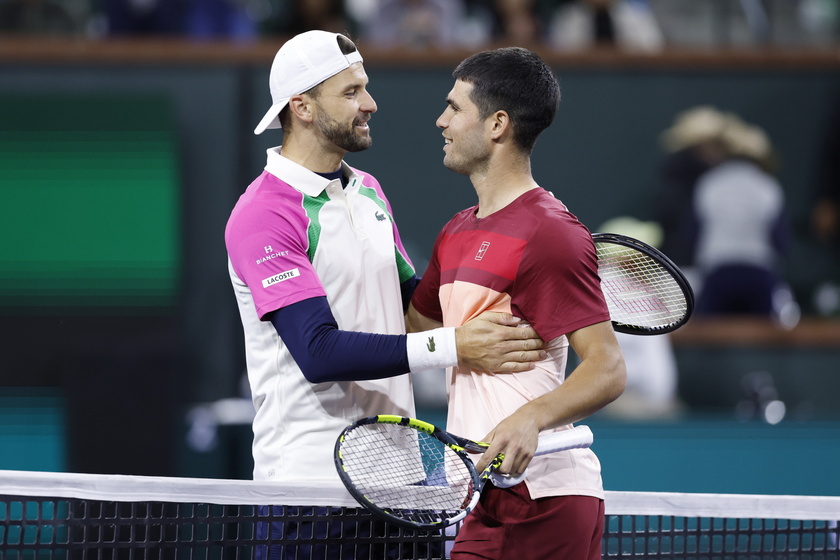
{"x":508,"y":525}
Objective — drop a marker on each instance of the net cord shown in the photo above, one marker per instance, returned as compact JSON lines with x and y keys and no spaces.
{"x":735,"y":506}
{"x":129,"y":488}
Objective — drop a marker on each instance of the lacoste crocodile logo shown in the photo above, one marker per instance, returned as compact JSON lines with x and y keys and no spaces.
{"x":380,"y":216}
{"x":431,"y":344}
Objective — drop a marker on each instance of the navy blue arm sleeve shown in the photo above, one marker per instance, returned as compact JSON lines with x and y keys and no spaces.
{"x":407,"y":290}
{"x":325,"y":353}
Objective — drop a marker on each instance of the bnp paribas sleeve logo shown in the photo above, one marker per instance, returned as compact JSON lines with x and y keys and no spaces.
{"x":482,"y":250}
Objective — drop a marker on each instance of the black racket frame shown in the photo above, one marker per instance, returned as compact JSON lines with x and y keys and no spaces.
{"x":668,"y":265}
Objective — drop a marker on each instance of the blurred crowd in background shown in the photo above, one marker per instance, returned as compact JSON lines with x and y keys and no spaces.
{"x":723,"y":218}
{"x":639,"y":25}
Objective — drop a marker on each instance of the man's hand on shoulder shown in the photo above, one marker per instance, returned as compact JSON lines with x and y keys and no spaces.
{"x":498,"y":343}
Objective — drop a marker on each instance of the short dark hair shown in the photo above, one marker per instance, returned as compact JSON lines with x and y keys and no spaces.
{"x":517,"y":81}
{"x":346,"y":46}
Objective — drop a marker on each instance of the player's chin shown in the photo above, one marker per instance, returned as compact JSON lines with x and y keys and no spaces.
{"x":365,"y":139}
{"x":453,"y":165}
{"x":360,"y":145}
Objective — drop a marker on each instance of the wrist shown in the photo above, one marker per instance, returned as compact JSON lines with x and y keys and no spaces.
{"x":432,"y":349}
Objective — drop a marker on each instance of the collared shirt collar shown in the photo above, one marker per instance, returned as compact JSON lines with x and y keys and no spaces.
{"x":306,"y":181}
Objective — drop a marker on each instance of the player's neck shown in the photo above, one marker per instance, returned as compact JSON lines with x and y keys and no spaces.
{"x":499,"y":185}
{"x":311,"y":155}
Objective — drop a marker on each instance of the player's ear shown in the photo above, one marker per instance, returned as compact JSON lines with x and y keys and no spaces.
{"x":500,"y":125}
{"x":301,"y":107}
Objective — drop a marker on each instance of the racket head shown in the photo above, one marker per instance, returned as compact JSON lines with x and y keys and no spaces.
{"x":645,"y":291}
{"x":406,"y":471}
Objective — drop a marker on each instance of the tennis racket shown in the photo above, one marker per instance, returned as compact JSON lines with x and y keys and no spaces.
{"x":646,"y":293}
{"x":416,"y":475}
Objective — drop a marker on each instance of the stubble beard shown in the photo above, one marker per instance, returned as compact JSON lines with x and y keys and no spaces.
{"x":450,"y":164}
{"x":467,"y":162}
{"x":344,"y":137}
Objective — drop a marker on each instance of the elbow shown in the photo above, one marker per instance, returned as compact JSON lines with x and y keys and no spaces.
{"x":616,"y":378}
{"x":315,"y":372}
{"x":314,"y":375}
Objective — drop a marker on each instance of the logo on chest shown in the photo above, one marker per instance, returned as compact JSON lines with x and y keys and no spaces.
{"x":482,"y":250}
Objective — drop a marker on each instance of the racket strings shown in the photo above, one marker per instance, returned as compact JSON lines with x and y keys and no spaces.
{"x":639,"y":290}
{"x":407,"y":472}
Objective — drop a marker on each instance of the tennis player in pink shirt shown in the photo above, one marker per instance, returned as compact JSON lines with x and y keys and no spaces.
{"x":322,"y":280}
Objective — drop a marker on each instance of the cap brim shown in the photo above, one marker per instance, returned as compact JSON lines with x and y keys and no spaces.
{"x":271,"y":119}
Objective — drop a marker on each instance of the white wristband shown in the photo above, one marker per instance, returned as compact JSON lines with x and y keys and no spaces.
{"x":432,"y":349}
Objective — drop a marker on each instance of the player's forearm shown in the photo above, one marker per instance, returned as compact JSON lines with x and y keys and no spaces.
{"x":598,"y":380}
{"x":325,"y":353}
{"x":590,"y":387}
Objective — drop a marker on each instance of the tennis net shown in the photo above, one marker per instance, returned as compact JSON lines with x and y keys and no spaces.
{"x":110,"y":517}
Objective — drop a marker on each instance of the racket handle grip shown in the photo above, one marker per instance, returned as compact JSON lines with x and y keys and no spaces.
{"x":578,"y":437}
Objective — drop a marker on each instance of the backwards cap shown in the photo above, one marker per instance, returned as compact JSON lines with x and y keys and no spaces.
{"x":302,"y":63}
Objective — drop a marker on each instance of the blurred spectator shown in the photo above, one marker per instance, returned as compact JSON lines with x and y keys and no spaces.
{"x":743,"y":230}
{"x":652,"y":375}
{"x":747,"y":23}
{"x":221,"y":19}
{"x":413,"y":23}
{"x":518,"y":22}
{"x":43,"y":17}
{"x":694,"y":145}
{"x":625,"y":24}
{"x":825,"y":217}
{"x":819,"y":19}
{"x":647,"y":25}
{"x":470,"y":23}
{"x":290,"y":17}
{"x":145,"y":17}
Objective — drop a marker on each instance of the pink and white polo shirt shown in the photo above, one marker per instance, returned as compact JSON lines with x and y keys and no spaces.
{"x":299,"y":237}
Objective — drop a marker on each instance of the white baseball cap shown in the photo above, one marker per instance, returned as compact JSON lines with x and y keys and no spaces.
{"x":302,"y":63}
